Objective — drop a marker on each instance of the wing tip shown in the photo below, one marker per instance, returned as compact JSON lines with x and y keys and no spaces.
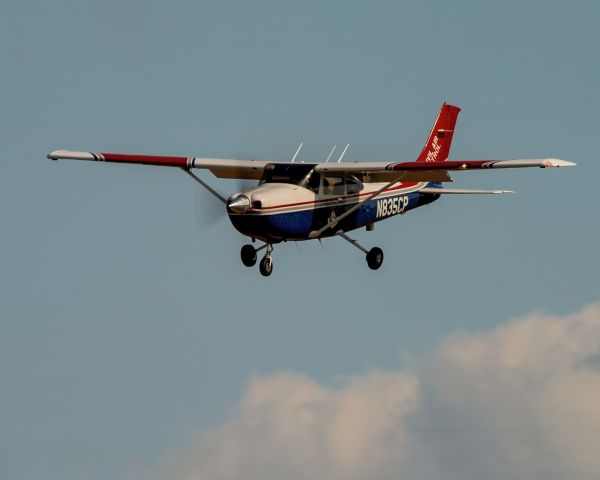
{"x":70,"y":155}
{"x":54,"y":155}
{"x":557,"y":162}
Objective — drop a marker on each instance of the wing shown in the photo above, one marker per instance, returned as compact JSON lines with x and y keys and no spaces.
{"x":431,"y":171}
{"x":220,"y":167}
{"x":366,"y":171}
{"x":479,"y":164}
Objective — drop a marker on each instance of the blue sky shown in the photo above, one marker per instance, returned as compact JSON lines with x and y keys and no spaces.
{"x":128,"y":324}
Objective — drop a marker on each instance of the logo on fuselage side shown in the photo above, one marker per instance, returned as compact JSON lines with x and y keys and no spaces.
{"x":435,"y":149}
{"x":391,"y":206}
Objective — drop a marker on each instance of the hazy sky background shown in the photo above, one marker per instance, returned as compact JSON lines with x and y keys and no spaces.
{"x":129,"y":327}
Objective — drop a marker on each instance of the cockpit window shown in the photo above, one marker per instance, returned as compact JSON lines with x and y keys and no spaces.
{"x":303,"y":174}
{"x":294,"y":173}
{"x":333,"y":185}
{"x":314,"y":182}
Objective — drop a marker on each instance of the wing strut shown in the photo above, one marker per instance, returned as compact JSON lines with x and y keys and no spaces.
{"x":205,"y":185}
{"x":334,"y":222}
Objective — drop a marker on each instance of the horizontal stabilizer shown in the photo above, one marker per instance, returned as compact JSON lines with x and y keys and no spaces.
{"x":462,"y":191}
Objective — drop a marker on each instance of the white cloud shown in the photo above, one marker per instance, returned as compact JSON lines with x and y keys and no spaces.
{"x":522,"y":401}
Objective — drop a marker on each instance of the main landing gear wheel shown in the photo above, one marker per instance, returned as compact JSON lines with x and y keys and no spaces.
{"x":248,"y":254}
{"x":266,"y":266}
{"x":375,"y":258}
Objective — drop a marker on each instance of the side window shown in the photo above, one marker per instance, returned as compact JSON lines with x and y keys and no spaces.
{"x":333,"y":185}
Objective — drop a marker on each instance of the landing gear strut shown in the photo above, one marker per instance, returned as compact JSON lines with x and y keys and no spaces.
{"x":374,"y":256}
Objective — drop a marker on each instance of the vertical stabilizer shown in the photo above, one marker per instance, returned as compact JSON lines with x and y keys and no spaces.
{"x":437,"y":147}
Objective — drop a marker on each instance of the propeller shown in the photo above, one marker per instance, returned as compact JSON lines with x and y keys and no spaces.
{"x":208,"y":210}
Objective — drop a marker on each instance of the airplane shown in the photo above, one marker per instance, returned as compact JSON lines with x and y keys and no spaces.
{"x":297,"y":201}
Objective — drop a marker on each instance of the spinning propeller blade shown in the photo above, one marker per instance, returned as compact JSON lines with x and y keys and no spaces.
{"x":208,"y":210}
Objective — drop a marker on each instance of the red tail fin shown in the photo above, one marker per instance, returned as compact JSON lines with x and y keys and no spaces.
{"x":437,"y":147}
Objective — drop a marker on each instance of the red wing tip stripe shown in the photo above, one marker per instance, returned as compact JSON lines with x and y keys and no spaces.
{"x":167,"y":161}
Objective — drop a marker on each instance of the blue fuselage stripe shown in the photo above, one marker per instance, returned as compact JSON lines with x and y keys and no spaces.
{"x":297,"y":224}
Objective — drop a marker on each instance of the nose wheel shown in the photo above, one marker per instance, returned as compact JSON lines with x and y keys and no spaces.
{"x":266,"y":266}
{"x":248,"y":256}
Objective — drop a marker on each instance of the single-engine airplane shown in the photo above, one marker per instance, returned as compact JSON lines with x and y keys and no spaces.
{"x":305,"y":201}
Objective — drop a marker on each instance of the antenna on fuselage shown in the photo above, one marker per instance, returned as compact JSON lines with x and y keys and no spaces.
{"x":297,"y":152}
{"x":330,"y":153}
{"x":343,"y":153}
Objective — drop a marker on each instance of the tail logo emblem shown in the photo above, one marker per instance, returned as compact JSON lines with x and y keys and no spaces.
{"x":435,"y":149}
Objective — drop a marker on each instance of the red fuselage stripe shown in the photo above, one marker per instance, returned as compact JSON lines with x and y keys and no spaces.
{"x":343,"y":197}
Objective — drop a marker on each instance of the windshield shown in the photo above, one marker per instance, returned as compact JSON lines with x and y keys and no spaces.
{"x":294,"y":173}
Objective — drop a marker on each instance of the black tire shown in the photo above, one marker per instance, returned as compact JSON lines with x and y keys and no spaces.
{"x":266,"y":266}
{"x":248,"y":254}
{"x":375,"y":258}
